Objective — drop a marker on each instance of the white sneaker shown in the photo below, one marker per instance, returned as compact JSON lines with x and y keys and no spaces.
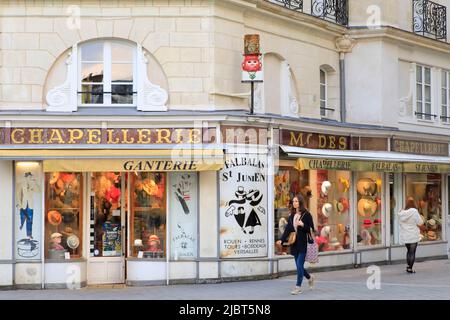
{"x":296,"y":291}
{"x":311,"y":282}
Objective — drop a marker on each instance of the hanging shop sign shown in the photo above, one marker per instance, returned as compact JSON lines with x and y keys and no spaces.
{"x":114,"y":136}
{"x":183,"y":215}
{"x":243,"y":206}
{"x":373,"y":166}
{"x":244,"y":135}
{"x":315,"y":140}
{"x":420,"y":147}
{"x":252,"y":65}
{"x":28,"y":204}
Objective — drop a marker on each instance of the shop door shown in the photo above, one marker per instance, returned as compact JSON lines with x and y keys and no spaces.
{"x":106,"y":262}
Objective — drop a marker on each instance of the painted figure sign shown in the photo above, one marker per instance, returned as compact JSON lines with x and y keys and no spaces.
{"x":252,"y":65}
{"x":243,"y":207}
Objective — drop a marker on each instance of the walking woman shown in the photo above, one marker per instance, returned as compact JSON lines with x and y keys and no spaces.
{"x":300,"y":220}
{"x":410,"y":220}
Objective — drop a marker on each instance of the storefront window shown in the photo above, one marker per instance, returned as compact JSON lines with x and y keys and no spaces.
{"x":63,"y":223}
{"x":426,"y":191}
{"x":106,"y":217}
{"x":148,"y":215}
{"x":327,"y":195}
{"x":369,"y":190}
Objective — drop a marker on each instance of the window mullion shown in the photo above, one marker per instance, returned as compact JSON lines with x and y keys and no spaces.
{"x":107,"y":65}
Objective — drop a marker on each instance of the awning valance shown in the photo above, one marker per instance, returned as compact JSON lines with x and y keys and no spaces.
{"x":366,"y":161}
{"x":120,"y":160}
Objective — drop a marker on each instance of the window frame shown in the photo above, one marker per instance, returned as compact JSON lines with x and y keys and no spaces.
{"x":445,"y":119}
{"x":422,"y":101}
{"x":107,"y":74}
{"x":323,"y":110}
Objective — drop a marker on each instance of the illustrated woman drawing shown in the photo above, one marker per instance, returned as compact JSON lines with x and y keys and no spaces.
{"x":300,"y":220}
{"x":409,"y":221}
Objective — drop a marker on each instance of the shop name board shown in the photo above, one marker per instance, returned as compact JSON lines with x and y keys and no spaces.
{"x":420,"y":147}
{"x":314,"y":140}
{"x":93,"y":136}
{"x":159,"y":165}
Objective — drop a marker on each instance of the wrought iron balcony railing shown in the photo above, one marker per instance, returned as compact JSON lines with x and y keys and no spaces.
{"x":430,"y":19}
{"x":296,"y":5}
{"x":332,"y":10}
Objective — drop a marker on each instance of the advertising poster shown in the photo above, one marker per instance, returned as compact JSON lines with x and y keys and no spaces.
{"x":28,"y":210}
{"x":112,"y":243}
{"x":184,"y":213}
{"x":243,"y":207}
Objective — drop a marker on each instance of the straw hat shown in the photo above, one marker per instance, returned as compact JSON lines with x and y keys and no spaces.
{"x":73,"y":242}
{"x":366,"y":187}
{"x":153,"y":237}
{"x":342,"y":205}
{"x":367,"y":207}
{"x":431,"y":235}
{"x":432,"y":224}
{"x":56,"y":235}
{"x":326,"y":186}
{"x":344,"y":185}
{"x":54,"y":217}
{"x":327,"y":209}
{"x":325,"y":231}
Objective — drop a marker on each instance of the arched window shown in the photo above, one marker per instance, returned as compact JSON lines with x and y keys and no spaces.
{"x":107,"y":74}
{"x":323,"y":93}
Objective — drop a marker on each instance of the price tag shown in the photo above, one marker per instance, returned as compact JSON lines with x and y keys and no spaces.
{"x":140,"y":254}
{"x":67,"y":255}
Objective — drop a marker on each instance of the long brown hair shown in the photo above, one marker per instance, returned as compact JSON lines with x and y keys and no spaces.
{"x":301,"y":204}
{"x":410,"y":203}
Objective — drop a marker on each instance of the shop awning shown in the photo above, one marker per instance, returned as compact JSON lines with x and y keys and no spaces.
{"x":366,"y":161}
{"x":117,"y":160}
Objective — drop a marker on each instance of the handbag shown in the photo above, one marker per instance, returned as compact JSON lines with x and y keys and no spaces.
{"x":312,"y":250}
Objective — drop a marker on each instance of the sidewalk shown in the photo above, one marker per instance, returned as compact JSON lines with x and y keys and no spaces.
{"x":430,"y":282}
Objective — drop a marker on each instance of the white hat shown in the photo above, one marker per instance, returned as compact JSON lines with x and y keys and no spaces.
{"x":325,"y":231}
{"x":138,"y":242}
{"x":334,"y":242}
{"x":327,"y":208}
{"x":326,"y":185}
{"x":56,"y":235}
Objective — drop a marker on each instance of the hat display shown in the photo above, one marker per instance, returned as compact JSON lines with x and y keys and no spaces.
{"x":54,"y":217}
{"x":367,"y":207}
{"x":431,"y":235}
{"x":344,"y":185}
{"x":68,"y":231}
{"x":341,"y":228}
{"x":334,"y":242}
{"x":367,"y":223}
{"x":150,"y":187}
{"x":138,"y":243}
{"x":325,"y":231}
{"x":432,"y":224}
{"x":327,"y":209}
{"x":326,"y":186}
{"x":73,"y":242}
{"x":366,"y":187}
{"x":56,"y":235}
{"x":54,"y":178}
{"x":342,"y":205}
{"x":153,"y":237}
{"x":377,"y":221}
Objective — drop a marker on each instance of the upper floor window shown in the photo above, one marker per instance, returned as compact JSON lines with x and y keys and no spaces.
{"x":107,"y":74}
{"x":423,"y":93}
{"x":323,"y":93}
{"x":430,"y":19}
{"x":445,"y":96}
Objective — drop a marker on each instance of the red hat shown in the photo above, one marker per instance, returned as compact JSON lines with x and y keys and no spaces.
{"x":54,"y":217}
{"x":367,"y":223}
{"x":153,"y":237}
{"x":377,"y":221}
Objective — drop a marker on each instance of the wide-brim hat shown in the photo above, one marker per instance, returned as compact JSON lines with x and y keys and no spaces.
{"x":153,"y":237}
{"x":327,"y":209}
{"x":150,"y":187}
{"x":325,"y":231}
{"x":377,"y":221}
{"x":56,"y":235}
{"x":325,"y":188}
{"x":432,"y":223}
{"x":367,"y":207}
{"x":431,"y":235}
{"x":342,"y":205}
{"x":367,"y":223}
{"x":73,"y":242}
{"x":68,"y":231}
{"x":54,"y":217}
{"x":366,"y":187}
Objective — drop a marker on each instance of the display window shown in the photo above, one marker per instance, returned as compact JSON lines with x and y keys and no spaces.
{"x":327,"y":196}
{"x":106,"y":217}
{"x":426,"y":191}
{"x":63,"y":220}
{"x":369,"y":208}
{"x":148,"y":214}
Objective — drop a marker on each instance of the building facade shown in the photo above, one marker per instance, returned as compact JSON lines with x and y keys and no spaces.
{"x":128,"y":152}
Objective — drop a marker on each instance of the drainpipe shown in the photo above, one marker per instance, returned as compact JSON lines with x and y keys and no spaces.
{"x":344,"y":45}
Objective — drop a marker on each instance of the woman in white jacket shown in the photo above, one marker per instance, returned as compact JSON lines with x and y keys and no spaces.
{"x":410,"y":221}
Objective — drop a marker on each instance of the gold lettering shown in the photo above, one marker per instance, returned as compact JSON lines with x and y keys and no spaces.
{"x":179,"y":136}
{"x":36,"y":136}
{"x":308,"y":138}
{"x":75,"y":135}
{"x":342,"y":143}
{"x":166,"y":137}
{"x":144,"y":136}
{"x":125,"y":137}
{"x":111,"y":137}
{"x":296,"y":141}
{"x":332,"y":142}
{"x":195,"y":136}
{"x":18,"y":140}
{"x":56,"y":137}
{"x":94,"y":136}
{"x":322,"y":142}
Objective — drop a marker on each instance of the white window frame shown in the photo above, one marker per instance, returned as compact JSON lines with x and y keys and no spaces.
{"x":432,"y":94}
{"x":107,"y":73}
{"x":444,"y":86}
{"x":323,"y":112}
